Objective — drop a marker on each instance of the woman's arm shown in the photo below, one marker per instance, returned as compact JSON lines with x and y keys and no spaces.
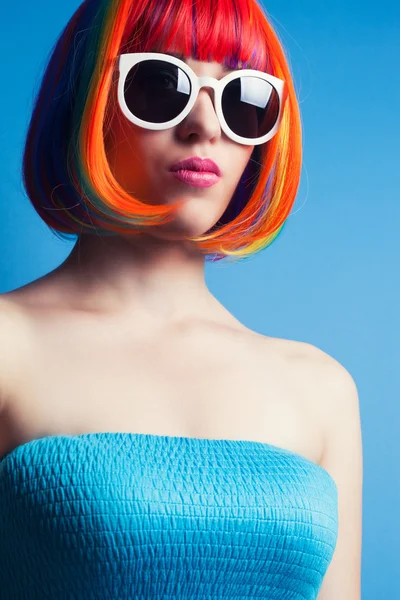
{"x":343,"y":459}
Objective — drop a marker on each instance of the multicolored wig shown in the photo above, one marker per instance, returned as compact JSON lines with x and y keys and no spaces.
{"x":65,"y":170}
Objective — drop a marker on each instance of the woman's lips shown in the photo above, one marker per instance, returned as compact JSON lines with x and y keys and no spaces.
{"x":196,"y":178}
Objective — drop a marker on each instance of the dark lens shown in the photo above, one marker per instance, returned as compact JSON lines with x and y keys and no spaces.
{"x":250,"y":106}
{"x":156,"y":91}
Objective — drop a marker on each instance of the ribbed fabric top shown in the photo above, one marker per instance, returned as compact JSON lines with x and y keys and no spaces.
{"x":141,"y":516}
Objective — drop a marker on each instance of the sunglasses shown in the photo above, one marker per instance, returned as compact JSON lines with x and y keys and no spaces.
{"x":157,"y":91}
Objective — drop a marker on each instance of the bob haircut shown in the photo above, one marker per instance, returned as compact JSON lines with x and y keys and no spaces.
{"x":65,"y":170}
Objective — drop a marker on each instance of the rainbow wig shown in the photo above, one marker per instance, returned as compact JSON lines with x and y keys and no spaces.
{"x":66,"y":174}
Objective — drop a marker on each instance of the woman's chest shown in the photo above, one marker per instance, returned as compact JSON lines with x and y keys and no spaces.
{"x":202,"y":384}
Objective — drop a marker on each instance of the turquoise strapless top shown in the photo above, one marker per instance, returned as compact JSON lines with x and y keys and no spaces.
{"x":140,"y":516}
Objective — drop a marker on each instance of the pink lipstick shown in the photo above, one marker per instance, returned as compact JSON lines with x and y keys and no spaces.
{"x":196,"y":171}
{"x":197,"y":178}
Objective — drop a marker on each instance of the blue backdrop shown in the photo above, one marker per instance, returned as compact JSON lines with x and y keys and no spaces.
{"x":330,"y":279}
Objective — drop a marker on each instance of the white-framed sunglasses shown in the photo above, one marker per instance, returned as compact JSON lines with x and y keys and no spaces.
{"x":157,"y":91}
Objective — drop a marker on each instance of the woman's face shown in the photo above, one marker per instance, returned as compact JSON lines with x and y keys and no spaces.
{"x":141,"y":159}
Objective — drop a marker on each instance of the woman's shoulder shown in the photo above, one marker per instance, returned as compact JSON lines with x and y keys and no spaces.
{"x":310,"y":372}
{"x":13,"y":352}
{"x":16,"y":351}
{"x":322,"y":380}
{"x":13,"y":337}
{"x":12,"y":319}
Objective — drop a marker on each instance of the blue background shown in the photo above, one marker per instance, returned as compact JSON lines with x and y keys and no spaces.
{"x":331,"y":279}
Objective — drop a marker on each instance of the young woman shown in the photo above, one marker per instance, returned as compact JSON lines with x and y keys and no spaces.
{"x":152,"y":446}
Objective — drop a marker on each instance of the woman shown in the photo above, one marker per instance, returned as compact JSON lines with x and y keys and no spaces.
{"x":156,"y":447}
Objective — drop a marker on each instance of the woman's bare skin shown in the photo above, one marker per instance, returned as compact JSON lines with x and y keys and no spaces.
{"x":205,"y":376}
